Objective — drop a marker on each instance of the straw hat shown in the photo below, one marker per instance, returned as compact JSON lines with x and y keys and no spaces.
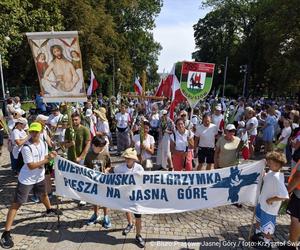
{"x":130,"y":153}
{"x":101,"y":113}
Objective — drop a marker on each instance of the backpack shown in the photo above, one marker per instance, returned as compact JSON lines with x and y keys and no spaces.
{"x":20,"y":160}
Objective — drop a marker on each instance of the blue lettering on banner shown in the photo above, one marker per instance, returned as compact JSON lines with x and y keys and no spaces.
{"x":182,"y":179}
{"x":113,"y":192}
{"x":108,"y":179}
{"x":81,"y":186}
{"x":192,"y":193}
{"x":149,"y":194}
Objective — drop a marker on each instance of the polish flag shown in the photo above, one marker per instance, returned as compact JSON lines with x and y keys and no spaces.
{"x":137,"y":86}
{"x":159,"y":90}
{"x":177,"y":96}
{"x":165,"y":86}
{"x":93,"y":84}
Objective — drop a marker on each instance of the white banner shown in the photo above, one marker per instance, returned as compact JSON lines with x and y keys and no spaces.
{"x":160,"y":192}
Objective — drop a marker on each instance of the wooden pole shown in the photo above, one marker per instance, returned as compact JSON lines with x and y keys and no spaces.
{"x":254,"y":210}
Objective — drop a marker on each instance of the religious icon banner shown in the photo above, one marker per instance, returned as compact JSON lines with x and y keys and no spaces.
{"x":58,"y":63}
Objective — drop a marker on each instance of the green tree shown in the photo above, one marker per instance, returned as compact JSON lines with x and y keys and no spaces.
{"x":17,"y":18}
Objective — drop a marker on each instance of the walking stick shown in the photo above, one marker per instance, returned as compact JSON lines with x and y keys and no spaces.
{"x":257,"y":195}
{"x":58,"y":215}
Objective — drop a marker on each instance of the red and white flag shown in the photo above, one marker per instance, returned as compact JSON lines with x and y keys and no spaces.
{"x":93,"y":84}
{"x":137,"y":86}
{"x":177,"y":96}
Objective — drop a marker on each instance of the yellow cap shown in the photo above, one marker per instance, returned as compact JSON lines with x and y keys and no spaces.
{"x":35,"y":127}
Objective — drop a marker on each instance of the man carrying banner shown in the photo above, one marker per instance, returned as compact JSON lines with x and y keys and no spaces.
{"x":131,"y":166}
{"x":98,"y":159}
{"x":31,"y":177}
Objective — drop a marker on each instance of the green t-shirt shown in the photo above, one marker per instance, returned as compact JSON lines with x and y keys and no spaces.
{"x":82,"y":136}
{"x":102,"y":159}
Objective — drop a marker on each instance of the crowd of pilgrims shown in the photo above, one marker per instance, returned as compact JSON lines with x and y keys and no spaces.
{"x":217,"y":133}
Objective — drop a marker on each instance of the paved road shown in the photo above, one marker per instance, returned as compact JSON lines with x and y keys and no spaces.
{"x":223,"y":226}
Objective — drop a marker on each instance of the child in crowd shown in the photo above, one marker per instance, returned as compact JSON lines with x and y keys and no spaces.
{"x":130,"y":167}
{"x":98,"y":159}
{"x":273,"y":192}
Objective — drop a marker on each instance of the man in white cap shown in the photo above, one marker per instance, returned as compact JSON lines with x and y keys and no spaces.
{"x":218,"y":119}
{"x":55,"y":117}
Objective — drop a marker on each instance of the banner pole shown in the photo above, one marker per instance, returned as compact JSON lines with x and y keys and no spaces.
{"x":58,"y":214}
{"x":257,"y":195}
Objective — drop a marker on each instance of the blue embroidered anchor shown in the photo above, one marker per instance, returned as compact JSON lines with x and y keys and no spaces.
{"x":235,"y":182}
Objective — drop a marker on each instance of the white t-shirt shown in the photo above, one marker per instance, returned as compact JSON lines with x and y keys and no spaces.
{"x":285,"y":133}
{"x":122,"y":120}
{"x":273,"y":186}
{"x":254,"y":123}
{"x":16,"y":135}
{"x":35,"y":153}
{"x":181,"y":140}
{"x":154,"y":120}
{"x":216,"y":119}
{"x":149,"y":140}
{"x":53,"y":120}
{"x":103,"y":126}
{"x":207,"y":135}
{"x":123,"y":169}
{"x":196,"y":120}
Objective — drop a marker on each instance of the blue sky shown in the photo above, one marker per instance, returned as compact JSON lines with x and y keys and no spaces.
{"x":174,"y":31}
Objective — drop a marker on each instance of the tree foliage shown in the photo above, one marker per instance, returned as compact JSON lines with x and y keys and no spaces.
{"x":263,"y":34}
{"x":115,"y":37}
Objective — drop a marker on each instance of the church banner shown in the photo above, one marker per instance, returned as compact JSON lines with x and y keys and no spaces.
{"x":58,"y":63}
{"x":196,"y":80}
{"x":160,"y":192}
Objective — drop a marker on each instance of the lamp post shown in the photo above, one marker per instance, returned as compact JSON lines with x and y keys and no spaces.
{"x":7,"y":38}
{"x":244,"y":69}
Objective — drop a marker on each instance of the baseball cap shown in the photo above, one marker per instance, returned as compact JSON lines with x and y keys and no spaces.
{"x":164,"y":112}
{"x":230,"y":127}
{"x":35,"y":127}
{"x":21,"y":120}
{"x":42,"y":118}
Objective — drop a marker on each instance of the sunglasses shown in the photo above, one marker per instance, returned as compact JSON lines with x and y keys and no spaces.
{"x":231,"y":131}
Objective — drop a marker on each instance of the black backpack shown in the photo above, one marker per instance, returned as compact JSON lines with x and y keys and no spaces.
{"x":20,"y":160}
